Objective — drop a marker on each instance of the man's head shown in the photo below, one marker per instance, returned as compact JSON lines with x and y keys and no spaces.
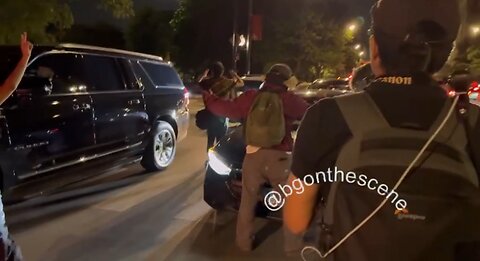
{"x":281,"y":74}
{"x":410,"y":36}
{"x":216,"y":70}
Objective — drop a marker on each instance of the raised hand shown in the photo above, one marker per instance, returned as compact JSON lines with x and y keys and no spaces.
{"x":25,"y":46}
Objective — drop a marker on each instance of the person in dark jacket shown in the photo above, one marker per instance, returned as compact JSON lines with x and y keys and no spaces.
{"x":213,"y":79}
{"x":408,"y":38}
{"x":262,"y":165}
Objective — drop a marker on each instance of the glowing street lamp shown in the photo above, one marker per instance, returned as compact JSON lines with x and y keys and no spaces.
{"x":357,"y":47}
{"x":352,"y":27}
{"x":243,"y":41}
{"x":361,"y":54}
{"x":476,"y":30}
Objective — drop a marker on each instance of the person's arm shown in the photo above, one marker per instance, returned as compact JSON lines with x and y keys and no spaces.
{"x":297,"y":107}
{"x":299,"y":208}
{"x":238,"y":80}
{"x":300,"y":108}
{"x":203,"y":76}
{"x":233,"y":109}
{"x":13,"y":80}
{"x":322,"y":134}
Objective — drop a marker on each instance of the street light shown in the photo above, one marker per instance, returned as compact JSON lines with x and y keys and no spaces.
{"x":352,"y":27}
{"x":243,"y":41}
{"x":357,"y":47}
{"x":475,"y":30}
{"x":362,"y":53}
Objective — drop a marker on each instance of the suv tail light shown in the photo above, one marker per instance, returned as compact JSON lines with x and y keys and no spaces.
{"x":186,"y":95}
{"x":475,"y":86}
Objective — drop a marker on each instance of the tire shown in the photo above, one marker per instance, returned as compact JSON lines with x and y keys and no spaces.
{"x":160,"y":151}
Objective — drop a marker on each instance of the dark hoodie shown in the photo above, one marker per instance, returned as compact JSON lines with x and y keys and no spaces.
{"x":294,"y":108}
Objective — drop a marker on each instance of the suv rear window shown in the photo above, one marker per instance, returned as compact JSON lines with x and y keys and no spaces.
{"x":162,"y":75}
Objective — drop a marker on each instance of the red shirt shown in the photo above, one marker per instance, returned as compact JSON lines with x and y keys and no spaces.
{"x":294,"y":108}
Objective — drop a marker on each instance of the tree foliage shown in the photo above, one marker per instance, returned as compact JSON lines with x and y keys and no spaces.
{"x":202,"y":32}
{"x":474,"y":58}
{"x":313,"y":41}
{"x":45,"y":20}
{"x":309,"y":35}
{"x":150,"y":32}
{"x":100,"y":34}
{"x":119,"y":8}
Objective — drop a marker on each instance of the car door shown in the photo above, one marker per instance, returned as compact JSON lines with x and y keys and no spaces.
{"x":120,"y":117}
{"x":51,"y":129}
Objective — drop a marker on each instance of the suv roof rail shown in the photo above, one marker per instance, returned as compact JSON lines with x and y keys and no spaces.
{"x":110,"y":50}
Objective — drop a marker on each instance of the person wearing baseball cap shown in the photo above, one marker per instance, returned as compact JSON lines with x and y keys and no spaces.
{"x":263,"y":164}
{"x":378,"y":133}
{"x":412,"y":36}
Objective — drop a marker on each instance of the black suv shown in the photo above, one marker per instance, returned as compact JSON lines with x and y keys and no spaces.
{"x":80,"y":108}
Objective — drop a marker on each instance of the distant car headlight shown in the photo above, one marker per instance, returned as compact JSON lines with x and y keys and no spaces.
{"x":218,"y":165}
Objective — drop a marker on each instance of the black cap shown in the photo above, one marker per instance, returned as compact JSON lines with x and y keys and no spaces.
{"x":282,"y":70}
{"x":217,"y":69}
{"x":415,"y":28}
{"x":398,"y":18}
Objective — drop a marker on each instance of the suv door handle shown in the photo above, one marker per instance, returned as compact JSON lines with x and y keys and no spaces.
{"x":84,"y":106}
{"x":134,"y":102}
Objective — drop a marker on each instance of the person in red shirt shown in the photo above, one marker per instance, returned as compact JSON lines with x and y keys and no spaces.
{"x":262,"y":165}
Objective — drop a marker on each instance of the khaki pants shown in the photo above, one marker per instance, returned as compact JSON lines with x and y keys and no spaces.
{"x":263,"y":166}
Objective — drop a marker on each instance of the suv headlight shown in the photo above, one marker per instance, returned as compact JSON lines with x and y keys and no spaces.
{"x":217,"y":164}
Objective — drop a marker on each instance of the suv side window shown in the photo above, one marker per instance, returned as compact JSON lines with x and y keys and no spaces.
{"x":103,"y":73}
{"x":142,"y":77}
{"x":64,"y":69}
{"x":132,"y":82}
{"x":162,"y":75}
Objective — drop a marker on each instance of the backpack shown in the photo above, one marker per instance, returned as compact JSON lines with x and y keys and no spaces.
{"x":430,"y":170}
{"x":265,"y":124}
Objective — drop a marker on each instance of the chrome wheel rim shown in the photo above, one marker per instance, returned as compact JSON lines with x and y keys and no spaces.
{"x":164,"y":148}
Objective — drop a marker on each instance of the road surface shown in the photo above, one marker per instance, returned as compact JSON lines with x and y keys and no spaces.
{"x":130,"y":215}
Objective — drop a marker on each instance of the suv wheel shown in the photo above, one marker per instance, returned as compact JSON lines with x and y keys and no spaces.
{"x":160,"y":151}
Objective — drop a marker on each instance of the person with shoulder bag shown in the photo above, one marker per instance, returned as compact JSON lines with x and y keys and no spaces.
{"x":394,"y":167}
{"x":268,"y":117}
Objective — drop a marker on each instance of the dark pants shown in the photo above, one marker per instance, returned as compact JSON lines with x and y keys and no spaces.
{"x":264,"y":166}
{"x":216,"y":131}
